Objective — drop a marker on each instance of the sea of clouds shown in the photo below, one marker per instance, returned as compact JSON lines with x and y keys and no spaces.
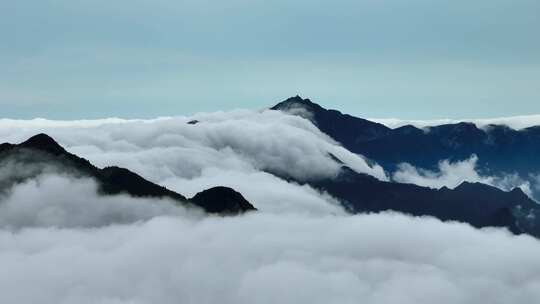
{"x":452,"y":174}
{"x":60,"y":242}
{"x":514,"y":122}
{"x":269,"y":258}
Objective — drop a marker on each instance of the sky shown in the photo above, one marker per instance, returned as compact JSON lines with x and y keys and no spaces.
{"x":417,"y":59}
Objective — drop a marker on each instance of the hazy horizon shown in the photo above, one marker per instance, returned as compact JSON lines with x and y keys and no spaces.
{"x":150,"y":151}
{"x":391,"y":121}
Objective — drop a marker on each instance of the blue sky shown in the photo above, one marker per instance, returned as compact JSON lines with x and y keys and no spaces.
{"x":416,"y":59}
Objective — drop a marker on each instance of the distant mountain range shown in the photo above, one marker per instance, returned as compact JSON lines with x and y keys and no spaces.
{"x":477,"y":204}
{"x":500,"y":149}
{"x":41,"y":152}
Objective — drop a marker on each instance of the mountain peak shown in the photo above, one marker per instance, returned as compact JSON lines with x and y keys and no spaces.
{"x":5,"y":146}
{"x":519,"y":194}
{"x":343,"y":128}
{"x":465,"y":185}
{"x":465,"y":127}
{"x":297,"y":98}
{"x":222,"y":200}
{"x":295,"y":102}
{"x":116,"y":180}
{"x":43,"y":142}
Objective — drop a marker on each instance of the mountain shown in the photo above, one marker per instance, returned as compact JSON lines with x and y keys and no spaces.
{"x":217,"y":199}
{"x":478,"y":204}
{"x":500,"y":149}
{"x":346,"y":129}
{"x":41,"y":153}
{"x":474,"y":203}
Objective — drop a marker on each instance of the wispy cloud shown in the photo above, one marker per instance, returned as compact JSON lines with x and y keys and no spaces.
{"x":60,"y":242}
{"x":515,"y":122}
{"x":452,"y":174}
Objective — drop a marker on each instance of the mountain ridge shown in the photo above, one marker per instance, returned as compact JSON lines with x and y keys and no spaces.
{"x":501,"y":150}
{"x":43,"y":150}
{"x":475,"y":203}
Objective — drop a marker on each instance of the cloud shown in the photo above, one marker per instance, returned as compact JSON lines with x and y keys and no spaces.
{"x":452,"y":174}
{"x":237,"y":148}
{"x":536,"y":181}
{"x":269,"y":193}
{"x":264,"y":258}
{"x":13,"y":124}
{"x":514,"y":122}
{"x":226,"y":148}
{"x":53,"y":200}
{"x":60,"y":242}
{"x":268,"y":140}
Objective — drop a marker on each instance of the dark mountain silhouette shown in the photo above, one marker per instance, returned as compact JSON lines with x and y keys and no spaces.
{"x":41,"y":152}
{"x":342,"y":127}
{"x":477,"y":204}
{"x":500,"y":149}
{"x":221,"y":198}
{"x":474,"y":203}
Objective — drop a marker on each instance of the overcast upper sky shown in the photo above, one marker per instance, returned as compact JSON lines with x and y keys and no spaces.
{"x":415,"y":59}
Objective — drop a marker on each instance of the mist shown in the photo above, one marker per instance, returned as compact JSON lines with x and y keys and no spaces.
{"x":266,"y":258}
{"x":61,"y":201}
{"x":62,"y":242}
{"x":452,"y":174}
{"x":514,"y":122}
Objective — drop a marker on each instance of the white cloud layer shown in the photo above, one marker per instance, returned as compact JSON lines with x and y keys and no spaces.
{"x":53,"y":200}
{"x":267,"y":140}
{"x":264,"y":258}
{"x":452,"y":174}
{"x":514,"y":122}
{"x":62,"y":243}
{"x":225,"y":148}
